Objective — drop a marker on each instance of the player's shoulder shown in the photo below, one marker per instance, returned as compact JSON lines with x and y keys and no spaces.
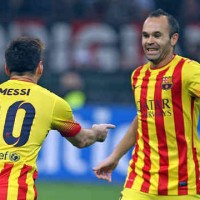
{"x":44,"y":92}
{"x":58,"y":102}
{"x":189,"y":62}
{"x":140,"y":68}
{"x":190,"y":68}
{"x":4,"y":83}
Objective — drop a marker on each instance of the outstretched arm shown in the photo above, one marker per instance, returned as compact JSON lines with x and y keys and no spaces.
{"x":87,"y":137}
{"x":105,"y":168}
{"x":63,"y":121}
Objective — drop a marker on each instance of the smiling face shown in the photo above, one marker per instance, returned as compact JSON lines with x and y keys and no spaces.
{"x":157,"y":44}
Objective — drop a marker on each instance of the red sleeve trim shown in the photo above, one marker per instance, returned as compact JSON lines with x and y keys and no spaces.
{"x":72,"y":131}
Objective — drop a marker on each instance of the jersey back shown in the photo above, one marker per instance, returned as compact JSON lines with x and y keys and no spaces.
{"x":27,"y":113}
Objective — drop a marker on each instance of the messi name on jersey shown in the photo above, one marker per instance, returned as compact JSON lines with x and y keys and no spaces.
{"x":12,"y":91}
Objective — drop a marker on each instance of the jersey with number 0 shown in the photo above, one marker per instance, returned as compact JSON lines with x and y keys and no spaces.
{"x":166,"y":157}
{"x":27,"y":113}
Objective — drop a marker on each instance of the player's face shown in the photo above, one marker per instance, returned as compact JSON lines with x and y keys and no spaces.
{"x":157,"y":44}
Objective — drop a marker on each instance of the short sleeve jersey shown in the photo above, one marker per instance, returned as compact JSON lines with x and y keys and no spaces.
{"x":166,"y":156}
{"x":27,"y":113}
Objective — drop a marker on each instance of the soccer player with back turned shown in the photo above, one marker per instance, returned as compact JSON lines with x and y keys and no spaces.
{"x":27,"y":113}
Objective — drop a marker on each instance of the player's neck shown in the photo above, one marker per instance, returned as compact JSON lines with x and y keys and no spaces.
{"x":25,"y":78}
{"x":163,"y":62}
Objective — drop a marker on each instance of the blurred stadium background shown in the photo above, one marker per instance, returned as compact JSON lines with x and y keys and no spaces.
{"x":92,"y":46}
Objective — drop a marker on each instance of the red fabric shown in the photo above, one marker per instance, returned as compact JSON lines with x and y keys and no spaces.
{"x":23,"y":187}
{"x":178,"y":116}
{"x":4,"y":177}
{"x":70,"y":129}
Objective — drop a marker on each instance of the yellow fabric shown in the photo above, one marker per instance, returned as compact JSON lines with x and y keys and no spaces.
{"x":147,"y":166}
{"x":129,"y":194}
{"x":27,"y":113}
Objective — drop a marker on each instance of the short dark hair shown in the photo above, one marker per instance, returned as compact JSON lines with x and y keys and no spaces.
{"x":24,"y":54}
{"x":173,"y":23}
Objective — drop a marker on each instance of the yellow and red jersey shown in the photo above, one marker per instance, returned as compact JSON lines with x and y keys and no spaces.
{"x":166,"y":157}
{"x":27,"y":113}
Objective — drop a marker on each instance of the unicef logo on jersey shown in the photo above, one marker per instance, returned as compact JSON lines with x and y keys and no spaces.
{"x":14,"y":157}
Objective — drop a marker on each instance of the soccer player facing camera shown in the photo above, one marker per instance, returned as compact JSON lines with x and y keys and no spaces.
{"x":165,"y":160}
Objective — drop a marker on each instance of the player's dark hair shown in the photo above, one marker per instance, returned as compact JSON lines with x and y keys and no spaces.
{"x":24,"y":54}
{"x":173,"y":23}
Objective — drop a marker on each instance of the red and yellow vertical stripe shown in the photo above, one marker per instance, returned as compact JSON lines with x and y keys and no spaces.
{"x":17,"y":184}
{"x":165,"y":159}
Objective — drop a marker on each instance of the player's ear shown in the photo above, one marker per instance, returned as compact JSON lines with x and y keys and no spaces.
{"x":7,"y":70}
{"x":174,"y":39}
{"x":39,"y":69}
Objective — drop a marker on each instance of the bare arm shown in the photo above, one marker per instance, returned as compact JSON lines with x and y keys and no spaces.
{"x":87,"y":137}
{"x":127,"y":142}
{"x":105,"y":168}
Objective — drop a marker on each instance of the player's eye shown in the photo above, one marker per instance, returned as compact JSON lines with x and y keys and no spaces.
{"x":157,"y":35}
{"x":145,"y":35}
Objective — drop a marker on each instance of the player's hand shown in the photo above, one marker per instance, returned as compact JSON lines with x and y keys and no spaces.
{"x":101,"y":130}
{"x":105,"y":168}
